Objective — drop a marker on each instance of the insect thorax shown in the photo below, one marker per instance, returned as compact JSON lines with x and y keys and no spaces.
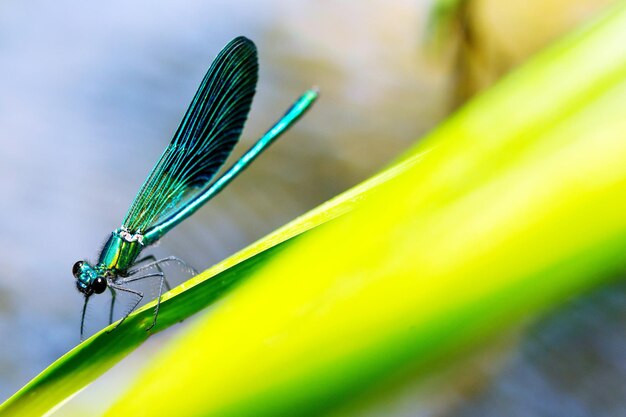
{"x":120,"y":251}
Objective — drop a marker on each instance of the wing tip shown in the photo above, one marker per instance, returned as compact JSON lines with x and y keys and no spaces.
{"x":241,"y":42}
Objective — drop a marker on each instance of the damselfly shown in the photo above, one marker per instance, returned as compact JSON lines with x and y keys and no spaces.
{"x":181,"y":181}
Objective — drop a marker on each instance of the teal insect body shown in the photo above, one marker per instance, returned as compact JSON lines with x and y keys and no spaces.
{"x":119,"y":252}
{"x":181,"y":181}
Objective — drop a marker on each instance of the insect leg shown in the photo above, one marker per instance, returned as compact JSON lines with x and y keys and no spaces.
{"x":161,"y":282}
{"x":153,"y":261}
{"x":82,"y":318}
{"x":113,"y":294}
{"x":133,"y":279}
{"x":163,"y":261}
{"x":139,"y":294}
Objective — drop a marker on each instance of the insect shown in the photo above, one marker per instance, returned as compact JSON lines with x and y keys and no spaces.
{"x":181,"y":181}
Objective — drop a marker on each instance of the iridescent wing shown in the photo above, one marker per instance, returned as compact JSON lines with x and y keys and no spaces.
{"x":204,"y":139}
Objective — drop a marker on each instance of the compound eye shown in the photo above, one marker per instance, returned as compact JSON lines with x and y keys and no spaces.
{"x":99,"y":285}
{"x":77,"y":268}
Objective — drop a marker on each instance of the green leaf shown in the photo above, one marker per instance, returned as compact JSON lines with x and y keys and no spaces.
{"x":518,"y":204}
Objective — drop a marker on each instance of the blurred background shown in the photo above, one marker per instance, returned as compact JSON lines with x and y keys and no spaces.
{"x":91,"y":95}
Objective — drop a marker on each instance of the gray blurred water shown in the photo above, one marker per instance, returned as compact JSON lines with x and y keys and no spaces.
{"x":90,"y":95}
